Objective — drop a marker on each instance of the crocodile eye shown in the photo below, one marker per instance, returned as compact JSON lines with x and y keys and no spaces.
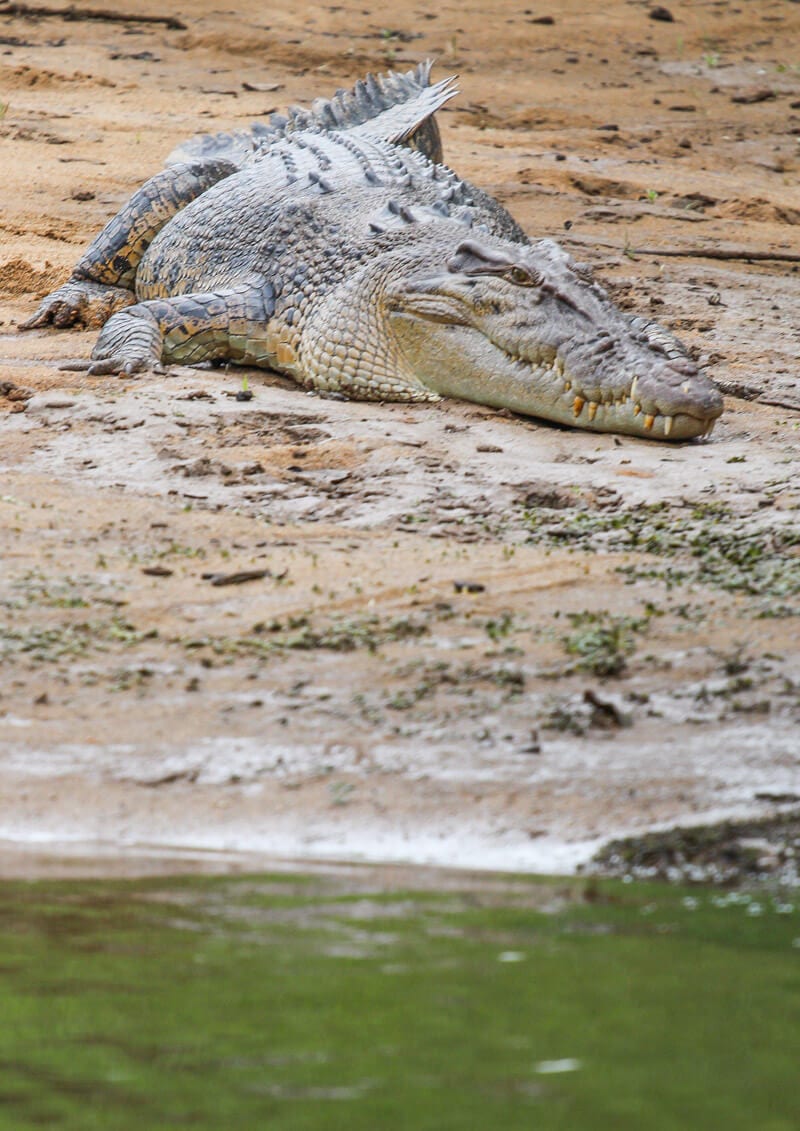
{"x":521,"y":277}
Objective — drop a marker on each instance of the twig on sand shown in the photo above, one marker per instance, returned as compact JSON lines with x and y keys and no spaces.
{"x":721,"y":253}
{"x":73,"y":13}
{"x":693,"y":252}
{"x":237,"y":578}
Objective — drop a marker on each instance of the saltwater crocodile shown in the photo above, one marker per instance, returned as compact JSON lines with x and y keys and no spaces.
{"x":333,"y":246}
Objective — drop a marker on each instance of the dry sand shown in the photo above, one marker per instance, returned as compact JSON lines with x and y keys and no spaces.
{"x":355,"y":702}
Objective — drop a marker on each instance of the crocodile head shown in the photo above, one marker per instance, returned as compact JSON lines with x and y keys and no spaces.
{"x":524,"y":327}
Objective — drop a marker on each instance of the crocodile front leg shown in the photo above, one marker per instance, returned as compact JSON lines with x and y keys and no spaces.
{"x":103,"y":280}
{"x":185,"y":329}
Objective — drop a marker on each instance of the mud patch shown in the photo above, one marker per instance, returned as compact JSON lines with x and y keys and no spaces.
{"x":19,"y":277}
{"x":762,"y":210}
{"x":20,"y":78}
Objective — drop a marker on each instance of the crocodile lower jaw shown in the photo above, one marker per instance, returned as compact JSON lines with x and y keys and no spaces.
{"x":613,"y":414}
{"x":621,"y":413}
{"x":611,"y":417}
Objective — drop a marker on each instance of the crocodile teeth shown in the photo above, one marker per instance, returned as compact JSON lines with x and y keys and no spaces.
{"x":667,"y":425}
{"x":634,"y":383}
{"x":567,"y":386}
{"x":577,"y":405}
{"x":637,"y":408}
{"x":649,"y":421}
{"x":592,"y":410}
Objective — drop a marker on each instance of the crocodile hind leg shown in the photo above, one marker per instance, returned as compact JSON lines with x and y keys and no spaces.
{"x":186,"y":329}
{"x":104,"y":278}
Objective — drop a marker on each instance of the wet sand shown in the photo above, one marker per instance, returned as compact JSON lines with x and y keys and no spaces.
{"x":478,"y":641}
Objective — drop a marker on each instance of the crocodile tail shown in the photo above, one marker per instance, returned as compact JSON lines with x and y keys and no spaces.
{"x":411,"y":121}
{"x":393,"y":107}
{"x":390,"y":107}
{"x":237,"y":147}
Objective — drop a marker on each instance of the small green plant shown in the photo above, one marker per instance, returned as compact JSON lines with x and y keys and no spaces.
{"x":701,"y":543}
{"x":340,"y":792}
{"x":651,"y":195}
{"x":711,"y":59}
{"x":602,"y":642}
{"x":498,"y":629}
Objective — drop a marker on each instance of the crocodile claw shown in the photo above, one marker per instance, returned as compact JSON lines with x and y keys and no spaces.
{"x":127,"y":345}
{"x":125,"y":367}
{"x":53,"y":312}
{"x":79,"y":302}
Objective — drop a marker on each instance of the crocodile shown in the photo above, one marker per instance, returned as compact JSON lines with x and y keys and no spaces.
{"x":334,"y":246}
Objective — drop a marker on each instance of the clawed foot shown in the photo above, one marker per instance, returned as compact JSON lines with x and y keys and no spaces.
{"x":79,"y":303}
{"x":124,"y":366}
{"x":129,"y":343}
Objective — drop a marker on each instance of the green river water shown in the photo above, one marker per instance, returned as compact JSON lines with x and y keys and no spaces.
{"x":329,"y":1002}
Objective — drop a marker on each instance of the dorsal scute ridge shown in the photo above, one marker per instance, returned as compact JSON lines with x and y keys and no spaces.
{"x":398,"y":215}
{"x":381,"y":163}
